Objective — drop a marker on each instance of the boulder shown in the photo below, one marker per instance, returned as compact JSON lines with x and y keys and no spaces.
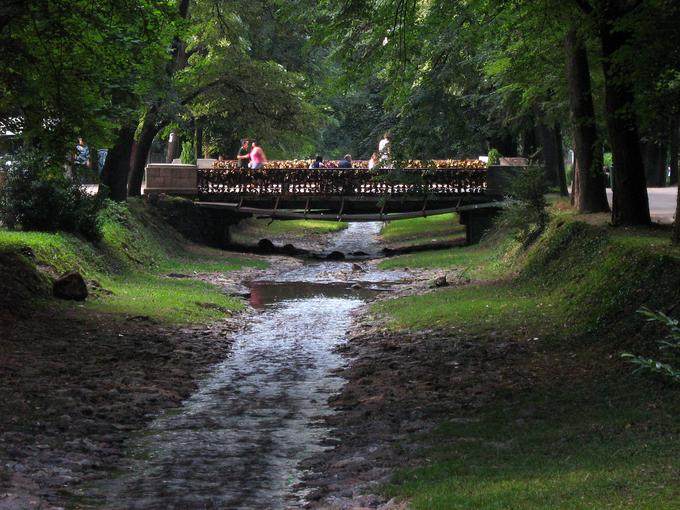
{"x":335,"y":255}
{"x":357,"y":267}
{"x":70,"y":286}
{"x":289,"y":249}
{"x":440,"y":281}
{"x":266,"y":246}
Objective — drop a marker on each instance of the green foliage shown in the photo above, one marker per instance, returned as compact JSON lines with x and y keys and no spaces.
{"x":37,"y":195}
{"x":71,"y":67}
{"x":669,"y":346}
{"x":525,"y":213}
{"x":188,"y":155}
{"x":494,"y":157}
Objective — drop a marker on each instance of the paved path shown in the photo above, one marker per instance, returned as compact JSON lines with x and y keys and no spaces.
{"x":662,"y":203}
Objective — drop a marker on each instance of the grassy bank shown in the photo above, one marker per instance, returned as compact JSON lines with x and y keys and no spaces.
{"x":569,"y":426}
{"x":444,"y":228}
{"x":128,"y":270}
{"x":251,"y":230}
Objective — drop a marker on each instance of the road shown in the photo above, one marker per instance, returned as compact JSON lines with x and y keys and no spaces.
{"x":662,"y":203}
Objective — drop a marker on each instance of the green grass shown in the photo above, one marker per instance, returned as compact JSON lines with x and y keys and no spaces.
{"x":417,"y":231}
{"x":597,"y":443}
{"x":165,"y":299}
{"x":479,"y":261}
{"x":253,"y":229}
{"x":576,"y":274}
{"x":137,"y":249}
{"x":583,"y":433}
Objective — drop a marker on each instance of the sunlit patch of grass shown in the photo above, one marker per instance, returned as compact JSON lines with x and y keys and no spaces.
{"x":417,"y":231}
{"x":251,"y":230}
{"x":165,"y":299}
{"x":482,"y":262}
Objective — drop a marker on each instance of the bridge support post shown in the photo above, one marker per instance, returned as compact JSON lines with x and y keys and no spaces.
{"x":477,"y":223}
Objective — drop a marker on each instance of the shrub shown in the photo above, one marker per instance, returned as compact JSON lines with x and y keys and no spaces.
{"x":525,"y":212}
{"x":669,"y":346}
{"x":37,"y":195}
{"x":494,"y":157}
{"x":188,"y":156}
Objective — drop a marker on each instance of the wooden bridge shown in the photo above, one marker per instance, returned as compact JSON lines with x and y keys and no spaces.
{"x":355,"y":194}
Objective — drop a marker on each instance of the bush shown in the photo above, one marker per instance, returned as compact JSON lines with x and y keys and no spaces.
{"x":494,"y":157}
{"x":525,"y":212}
{"x":669,"y":347}
{"x":188,"y":156}
{"x":37,"y":195}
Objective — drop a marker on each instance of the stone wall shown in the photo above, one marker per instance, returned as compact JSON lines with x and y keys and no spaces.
{"x":198,"y":224}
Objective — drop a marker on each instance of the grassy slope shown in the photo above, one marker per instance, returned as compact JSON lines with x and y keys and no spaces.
{"x":417,"y":231}
{"x":587,"y":434}
{"x":130,"y":263}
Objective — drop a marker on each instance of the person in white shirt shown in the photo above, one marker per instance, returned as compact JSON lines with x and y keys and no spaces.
{"x":384,"y":147}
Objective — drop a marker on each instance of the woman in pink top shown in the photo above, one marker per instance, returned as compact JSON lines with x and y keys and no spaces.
{"x":257,"y":157}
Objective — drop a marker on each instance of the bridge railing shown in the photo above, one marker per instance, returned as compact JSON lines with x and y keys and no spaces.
{"x":443,"y":182}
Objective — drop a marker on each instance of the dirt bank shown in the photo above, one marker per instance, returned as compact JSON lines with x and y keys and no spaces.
{"x":400,"y":385}
{"x":75,"y":384}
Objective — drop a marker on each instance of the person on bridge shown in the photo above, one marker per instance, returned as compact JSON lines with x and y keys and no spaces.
{"x":257,"y":157}
{"x":346,"y":162}
{"x":374,"y":161}
{"x":243,"y":155}
{"x":317,"y":163}
{"x":384,"y":148}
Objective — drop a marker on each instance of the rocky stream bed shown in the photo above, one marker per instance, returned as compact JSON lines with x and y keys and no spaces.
{"x":303,"y":401}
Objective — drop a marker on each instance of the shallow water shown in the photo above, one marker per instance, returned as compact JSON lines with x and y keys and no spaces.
{"x":237,"y":441}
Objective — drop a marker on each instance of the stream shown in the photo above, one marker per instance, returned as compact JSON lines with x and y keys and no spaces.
{"x":237,"y":441}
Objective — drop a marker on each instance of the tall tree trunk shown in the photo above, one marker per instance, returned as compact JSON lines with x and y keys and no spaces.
{"x":630,"y":204}
{"x":561,"y":173}
{"x":591,"y":195}
{"x":662,"y":164}
{"x":676,"y":225}
{"x":198,"y":139}
{"x":173,"y":148}
{"x":674,"y":148}
{"x":117,"y":166}
{"x":529,"y":143}
{"x":150,"y":129}
{"x":505,"y":144}
{"x":550,"y":153}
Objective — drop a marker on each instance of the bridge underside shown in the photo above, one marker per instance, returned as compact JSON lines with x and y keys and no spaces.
{"x":347,"y":208}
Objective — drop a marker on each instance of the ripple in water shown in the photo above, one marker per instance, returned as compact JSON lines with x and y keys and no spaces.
{"x":237,"y":441}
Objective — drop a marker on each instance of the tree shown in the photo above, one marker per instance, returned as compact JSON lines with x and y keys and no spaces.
{"x":589,"y":177}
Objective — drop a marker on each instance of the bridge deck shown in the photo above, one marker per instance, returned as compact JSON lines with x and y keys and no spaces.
{"x":357,"y":193}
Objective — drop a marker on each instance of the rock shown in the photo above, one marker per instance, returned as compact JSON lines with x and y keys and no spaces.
{"x":440,"y":281}
{"x":357,"y":286}
{"x":357,"y":267}
{"x":266,"y":246}
{"x":360,"y":253}
{"x":71,"y":286}
{"x":352,"y":461}
{"x":178,"y":275}
{"x":289,"y":249}
{"x":335,"y":255}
